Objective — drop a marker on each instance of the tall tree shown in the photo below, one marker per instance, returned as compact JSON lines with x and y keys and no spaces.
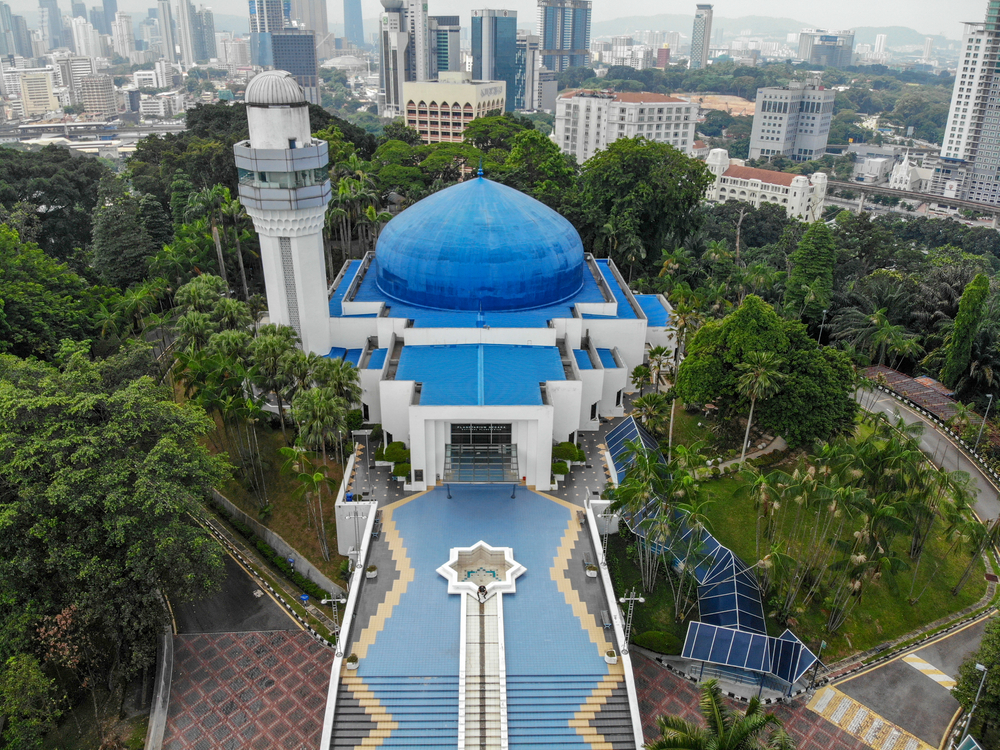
{"x":759,"y":378}
{"x":122,"y":245}
{"x":810,"y":284}
{"x":970,"y":314}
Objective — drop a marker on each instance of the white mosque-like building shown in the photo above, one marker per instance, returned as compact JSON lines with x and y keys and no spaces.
{"x":483,"y":332}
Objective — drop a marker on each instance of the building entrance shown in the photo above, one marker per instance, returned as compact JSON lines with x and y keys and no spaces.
{"x":481,"y":454}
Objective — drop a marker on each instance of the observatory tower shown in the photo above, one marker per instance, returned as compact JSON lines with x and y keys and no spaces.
{"x":285,"y":187}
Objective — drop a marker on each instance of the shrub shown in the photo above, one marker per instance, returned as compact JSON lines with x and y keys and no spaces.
{"x":661,"y":643}
{"x":397,"y":453}
{"x":380,"y":454}
{"x":580,"y":455}
{"x":564,"y":452}
{"x":401,"y":470}
{"x":560,"y":468}
{"x":376,"y":432}
{"x":354,"y":420}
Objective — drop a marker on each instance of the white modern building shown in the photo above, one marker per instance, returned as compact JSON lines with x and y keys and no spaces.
{"x":802,"y":197}
{"x":701,"y":37}
{"x":792,"y":121}
{"x":587,"y":121}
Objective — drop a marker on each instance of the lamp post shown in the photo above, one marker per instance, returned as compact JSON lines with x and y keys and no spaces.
{"x":812,"y":682}
{"x":985,"y":417}
{"x":968,"y":724}
{"x":823,"y":323}
{"x":631,"y":599}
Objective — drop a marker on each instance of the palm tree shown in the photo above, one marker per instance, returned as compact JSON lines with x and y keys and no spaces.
{"x":209,"y":201}
{"x":640,"y":377}
{"x":727,"y":729}
{"x":761,"y":379}
{"x":657,"y":361}
{"x":268,"y":356}
{"x":195,"y":329}
{"x":233,"y":210}
{"x":651,"y":409}
{"x":232,"y":314}
{"x":373,"y":220}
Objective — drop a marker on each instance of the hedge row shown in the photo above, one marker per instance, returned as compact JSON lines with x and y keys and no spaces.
{"x":276,"y":561}
{"x":568,"y":452}
{"x":560,"y":468}
{"x":661,"y":643}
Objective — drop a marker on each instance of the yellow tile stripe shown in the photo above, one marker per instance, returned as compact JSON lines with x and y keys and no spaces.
{"x":616,"y":672}
{"x":366,"y":698}
{"x":930,"y":670}
{"x":862,"y":723}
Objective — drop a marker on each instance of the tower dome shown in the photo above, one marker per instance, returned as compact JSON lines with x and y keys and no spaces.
{"x":479,"y":245}
{"x":273,"y":87}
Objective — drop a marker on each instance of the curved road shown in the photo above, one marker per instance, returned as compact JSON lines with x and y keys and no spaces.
{"x":912,"y":691}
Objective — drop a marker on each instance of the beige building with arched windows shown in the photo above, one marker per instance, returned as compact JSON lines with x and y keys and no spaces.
{"x":440,"y":110}
{"x":802,"y":197}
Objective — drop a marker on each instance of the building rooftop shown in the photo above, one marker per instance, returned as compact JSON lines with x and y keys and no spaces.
{"x":273,"y":87}
{"x":634,"y":97}
{"x":764,"y":175}
{"x":480,"y":374}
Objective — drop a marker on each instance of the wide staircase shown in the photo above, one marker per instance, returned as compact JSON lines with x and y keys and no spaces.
{"x":540,"y":708}
{"x":415,"y":712}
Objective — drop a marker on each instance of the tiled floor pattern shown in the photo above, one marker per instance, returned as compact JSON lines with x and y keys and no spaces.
{"x":247,"y":691}
{"x":371,"y":723}
{"x":930,"y":670}
{"x":662,"y":692}
{"x":484,"y":692}
{"x":862,"y":723}
{"x":584,"y":720}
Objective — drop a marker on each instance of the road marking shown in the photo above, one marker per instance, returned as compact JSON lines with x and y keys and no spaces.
{"x":930,"y":670}
{"x":862,"y":723}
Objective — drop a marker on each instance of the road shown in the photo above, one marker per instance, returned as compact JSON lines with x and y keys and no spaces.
{"x":241,"y":605}
{"x":912,"y":691}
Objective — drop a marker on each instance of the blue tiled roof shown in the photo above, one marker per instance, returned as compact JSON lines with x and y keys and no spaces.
{"x":607,"y":359}
{"x":625,"y":310}
{"x":479,"y":245}
{"x":337,"y":298}
{"x":583,"y":359}
{"x":480,"y":374}
{"x":377,"y":359}
{"x":348,"y":355}
{"x":656,"y":313}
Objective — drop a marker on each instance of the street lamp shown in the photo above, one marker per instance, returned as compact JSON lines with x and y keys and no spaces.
{"x":631,"y":599}
{"x":985,"y":417}
{"x":823,"y":323}
{"x":336,"y":619}
{"x":968,"y":724}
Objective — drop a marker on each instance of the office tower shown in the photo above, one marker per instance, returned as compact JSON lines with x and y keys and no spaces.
{"x":564,"y":26}
{"x":446,"y":43}
{"x":97,"y":94}
{"x":98,"y":21}
{"x":73,"y":69}
{"x":494,"y":49}
{"x":168,"y":47}
{"x":110,"y":8}
{"x":928,"y":48}
{"x":287,"y":206}
{"x":22,"y":36}
{"x":203,"y":35}
{"x":831,"y":49}
{"x":235,"y":52}
{"x":185,"y":17}
{"x":353,"y":28}
{"x":79,"y":9}
{"x":294,"y":50}
{"x":663,"y":56}
{"x":792,"y":121}
{"x":526,"y":91}
{"x":701,"y":37}
{"x":394,"y":53}
{"x":266,"y":17}
{"x":51,"y":22}
{"x":418,"y":28}
{"x":6,"y":31}
{"x":880,"y":44}
{"x":37,"y":94}
{"x":311,"y":14}
{"x":122,"y":36}
{"x":86,"y":40}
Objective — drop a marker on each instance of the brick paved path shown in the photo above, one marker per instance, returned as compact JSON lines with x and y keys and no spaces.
{"x":662,"y":692}
{"x":247,"y":691}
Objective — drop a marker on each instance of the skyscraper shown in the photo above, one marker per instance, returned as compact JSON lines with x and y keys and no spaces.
{"x":203,"y":34}
{"x":79,"y":9}
{"x":494,"y":49}
{"x":98,"y":20}
{"x":701,"y":37}
{"x":526,"y":92}
{"x":394,"y":54}
{"x":418,"y":28}
{"x":266,"y":17}
{"x":122,"y":35}
{"x":928,"y":48}
{"x":52,"y":22}
{"x":833,"y":49}
{"x":22,"y":36}
{"x":564,"y":26}
{"x":86,"y":40}
{"x":446,"y":43}
{"x":353,"y":28}
{"x":185,"y":17}
{"x":6,"y":31}
{"x":295,"y":51}
{"x":167,"y":44}
{"x":110,"y":8}
{"x":880,"y":40}
{"x":311,"y":14}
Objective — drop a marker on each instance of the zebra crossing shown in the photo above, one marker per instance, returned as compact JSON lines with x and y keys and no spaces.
{"x":862,"y":723}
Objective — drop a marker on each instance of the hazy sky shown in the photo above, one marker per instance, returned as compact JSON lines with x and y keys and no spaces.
{"x":926,"y":16}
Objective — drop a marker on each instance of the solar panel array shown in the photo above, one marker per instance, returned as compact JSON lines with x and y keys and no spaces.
{"x":629,"y":429}
{"x":784,"y":657}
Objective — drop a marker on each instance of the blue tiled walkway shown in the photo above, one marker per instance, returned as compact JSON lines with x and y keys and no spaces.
{"x":552,"y":665}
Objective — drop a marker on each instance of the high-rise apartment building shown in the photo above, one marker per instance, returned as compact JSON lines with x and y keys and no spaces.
{"x":527,"y":82}
{"x":203,"y":34}
{"x":86,"y":40}
{"x":22,"y":36}
{"x":168,"y":46}
{"x":564,"y":26}
{"x":880,"y":40}
{"x":354,"y":29}
{"x":792,"y":121}
{"x":831,"y":49}
{"x":122,"y":35}
{"x":235,"y":52}
{"x":97,"y":94}
{"x":266,"y":17}
{"x":185,"y":36}
{"x":294,"y":50}
{"x":99,"y":21}
{"x":969,"y":165}
{"x":928,"y":48}
{"x":587,"y":121}
{"x":446,"y":43}
{"x":405,"y":51}
{"x":494,"y":49}
{"x":701,"y":37}
{"x":73,"y":69}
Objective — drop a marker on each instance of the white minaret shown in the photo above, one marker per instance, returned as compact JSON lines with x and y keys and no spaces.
{"x":285,"y":187}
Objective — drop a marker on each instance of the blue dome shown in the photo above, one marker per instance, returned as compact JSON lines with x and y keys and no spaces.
{"x":479,"y":245}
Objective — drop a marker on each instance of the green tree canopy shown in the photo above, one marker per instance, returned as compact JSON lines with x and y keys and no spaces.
{"x":970,"y":314}
{"x":122,"y":244}
{"x":810,"y":284}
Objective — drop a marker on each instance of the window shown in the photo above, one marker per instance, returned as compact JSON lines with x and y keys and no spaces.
{"x":291,"y":143}
{"x":593,"y":408}
{"x":418,"y":475}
